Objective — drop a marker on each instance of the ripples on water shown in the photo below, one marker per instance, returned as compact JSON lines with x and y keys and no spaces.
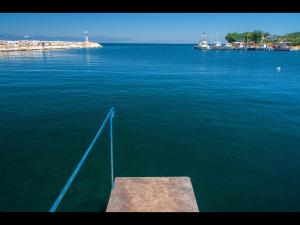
{"x":227,"y":119}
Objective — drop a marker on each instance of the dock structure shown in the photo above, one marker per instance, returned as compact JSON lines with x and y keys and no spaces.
{"x":138,"y":194}
{"x":25,"y":45}
{"x":152,"y":194}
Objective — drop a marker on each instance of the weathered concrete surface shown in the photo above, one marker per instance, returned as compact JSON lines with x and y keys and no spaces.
{"x":152,"y":194}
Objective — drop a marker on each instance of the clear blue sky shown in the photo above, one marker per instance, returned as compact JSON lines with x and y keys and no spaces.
{"x":146,"y":27}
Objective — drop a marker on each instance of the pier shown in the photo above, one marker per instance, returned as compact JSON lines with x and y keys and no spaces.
{"x":24,"y":45}
{"x":138,"y":194}
{"x":152,"y":194}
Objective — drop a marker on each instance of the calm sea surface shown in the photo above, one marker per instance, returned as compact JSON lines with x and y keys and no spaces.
{"x":226,"y":119}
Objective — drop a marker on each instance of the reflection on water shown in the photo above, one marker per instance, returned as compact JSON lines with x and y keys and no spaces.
{"x":12,"y":55}
{"x":87,"y":56}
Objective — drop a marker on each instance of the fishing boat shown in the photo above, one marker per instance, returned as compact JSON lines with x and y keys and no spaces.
{"x":217,"y":45}
{"x":263,"y":46}
{"x":282,"y":46}
{"x":203,"y":45}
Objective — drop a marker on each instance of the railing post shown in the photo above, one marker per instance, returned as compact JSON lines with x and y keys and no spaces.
{"x":111,"y":148}
{"x":109,"y":116}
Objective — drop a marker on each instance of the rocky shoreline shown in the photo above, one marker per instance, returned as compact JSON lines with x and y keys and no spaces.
{"x":25,"y":45}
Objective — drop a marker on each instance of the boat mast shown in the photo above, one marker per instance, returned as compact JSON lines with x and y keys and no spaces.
{"x":262,"y":38}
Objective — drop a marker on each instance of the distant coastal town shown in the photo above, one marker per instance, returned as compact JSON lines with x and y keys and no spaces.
{"x":256,"y":40}
{"x":24,"y":45}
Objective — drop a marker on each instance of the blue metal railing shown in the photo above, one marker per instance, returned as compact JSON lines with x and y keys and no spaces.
{"x":110,"y":116}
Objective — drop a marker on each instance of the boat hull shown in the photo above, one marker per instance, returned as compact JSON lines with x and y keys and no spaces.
{"x":281,"y":49}
{"x":201,"y":48}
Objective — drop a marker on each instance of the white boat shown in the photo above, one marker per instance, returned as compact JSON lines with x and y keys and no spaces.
{"x":216,"y":45}
{"x":239,"y":45}
{"x":228,"y":45}
{"x":263,"y":46}
{"x":203,"y":45}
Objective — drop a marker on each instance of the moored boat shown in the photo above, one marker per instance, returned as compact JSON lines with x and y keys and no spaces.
{"x":216,"y":45}
{"x":250,"y":48}
{"x":203,"y":45}
{"x":282,"y":46}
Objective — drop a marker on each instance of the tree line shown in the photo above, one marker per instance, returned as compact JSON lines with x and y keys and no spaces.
{"x":255,"y":36}
{"x":258,"y":36}
{"x":294,"y":38}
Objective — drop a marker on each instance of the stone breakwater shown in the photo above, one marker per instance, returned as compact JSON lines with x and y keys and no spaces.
{"x":24,"y":45}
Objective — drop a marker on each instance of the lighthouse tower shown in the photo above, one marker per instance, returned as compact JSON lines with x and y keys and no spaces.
{"x":86,"y":36}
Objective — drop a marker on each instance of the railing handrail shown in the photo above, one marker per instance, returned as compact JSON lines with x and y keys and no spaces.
{"x":110,"y":115}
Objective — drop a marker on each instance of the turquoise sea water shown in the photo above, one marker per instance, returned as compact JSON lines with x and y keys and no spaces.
{"x":226,"y":119}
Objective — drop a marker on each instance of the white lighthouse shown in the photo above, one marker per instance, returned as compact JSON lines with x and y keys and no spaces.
{"x":86,"y":36}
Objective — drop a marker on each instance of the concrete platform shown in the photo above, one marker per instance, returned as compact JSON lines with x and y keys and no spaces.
{"x":152,"y":194}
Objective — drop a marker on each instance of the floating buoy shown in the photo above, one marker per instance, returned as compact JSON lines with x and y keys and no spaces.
{"x":278,"y":68}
